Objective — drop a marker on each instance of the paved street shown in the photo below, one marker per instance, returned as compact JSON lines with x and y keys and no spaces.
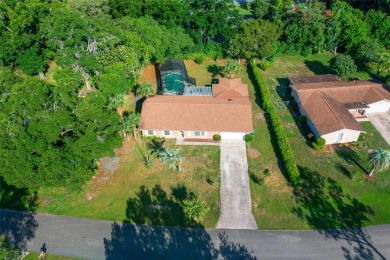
{"x":96,"y":239}
{"x":236,"y":208}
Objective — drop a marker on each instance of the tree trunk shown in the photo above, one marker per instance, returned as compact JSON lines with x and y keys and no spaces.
{"x":371,"y":172}
{"x":42,"y":75}
{"x":179,"y":167}
{"x":134,"y":133}
{"x":86,"y":80}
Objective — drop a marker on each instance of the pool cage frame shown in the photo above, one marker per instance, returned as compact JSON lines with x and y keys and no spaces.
{"x":175,"y":67}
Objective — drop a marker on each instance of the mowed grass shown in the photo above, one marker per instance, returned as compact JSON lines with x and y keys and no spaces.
{"x":156,"y":190}
{"x":357,"y":198}
{"x":34,"y":256}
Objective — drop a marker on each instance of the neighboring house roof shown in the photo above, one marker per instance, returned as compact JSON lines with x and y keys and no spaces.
{"x":228,"y":110}
{"x":327,"y":103}
{"x":313,"y":79}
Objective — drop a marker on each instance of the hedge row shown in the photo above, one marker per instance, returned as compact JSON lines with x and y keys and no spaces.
{"x":283,"y":146}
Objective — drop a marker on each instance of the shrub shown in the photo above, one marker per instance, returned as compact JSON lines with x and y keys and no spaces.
{"x":277,"y":128}
{"x":264,"y":65}
{"x":194,"y":211}
{"x":249,"y":138}
{"x":321,"y":141}
{"x":362,"y":137}
{"x":343,"y":65}
{"x":317,"y":147}
{"x":199,"y":58}
{"x":294,"y":106}
{"x":302,"y":119}
{"x":217,"y":137}
{"x":267,"y":172}
{"x":306,"y":51}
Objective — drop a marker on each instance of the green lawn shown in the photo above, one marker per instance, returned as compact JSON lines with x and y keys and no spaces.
{"x":242,"y":10}
{"x":34,"y":256}
{"x":147,"y":196}
{"x":333,"y":192}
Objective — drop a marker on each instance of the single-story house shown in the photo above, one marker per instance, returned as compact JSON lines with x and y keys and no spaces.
{"x":334,"y":107}
{"x":227,"y":112}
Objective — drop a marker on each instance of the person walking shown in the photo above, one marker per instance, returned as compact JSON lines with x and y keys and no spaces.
{"x":42,"y":255}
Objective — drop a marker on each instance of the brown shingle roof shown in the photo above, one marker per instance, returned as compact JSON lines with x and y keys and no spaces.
{"x":192,"y":113}
{"x":326,"y":103}
{"x":233,"y":88}
{"x":334,"y":84}
{"x":313,"y":79}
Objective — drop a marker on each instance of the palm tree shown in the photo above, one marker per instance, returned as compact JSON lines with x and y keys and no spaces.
{"x":156,"y":146}
{"x":379,"y":158}
{"x":172,"y":157}
{"x":116,"y":101}
{"x":231,"y":67}
{"x":130,"y":123}
{"x":145,"y":89}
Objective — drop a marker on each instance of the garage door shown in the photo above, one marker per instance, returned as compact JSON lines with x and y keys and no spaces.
{"x":231,"y":135}
{"x":383,"y":106}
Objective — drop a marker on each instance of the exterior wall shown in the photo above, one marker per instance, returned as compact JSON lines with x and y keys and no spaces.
{"x":295,"y":95}
{"x":175,"y":134}
{"x":349,"y":136}
{"x":232,"y":135}
{"x":381,"y":106}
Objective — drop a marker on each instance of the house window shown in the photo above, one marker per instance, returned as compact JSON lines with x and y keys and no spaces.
{"x":198,"y":133}
{"x":167,"y":132}
{"x":150,"y":132}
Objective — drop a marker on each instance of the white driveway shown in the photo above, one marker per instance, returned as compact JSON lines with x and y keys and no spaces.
{"x":236,"y":208}
{"x":381,"y":121}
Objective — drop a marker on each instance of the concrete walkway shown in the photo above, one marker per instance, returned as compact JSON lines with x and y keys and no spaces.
{"x":99,"y":239}
{"x":381,"y":121}
{"x":236,"y":207}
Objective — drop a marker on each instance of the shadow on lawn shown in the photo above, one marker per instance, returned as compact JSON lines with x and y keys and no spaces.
{"x":317,"y":67}
{"x":351,"y":157}
{"x":214,"y":70}
{"x":18,"y":226}
{"x":157,"y":240}
{"x":324,"y":206}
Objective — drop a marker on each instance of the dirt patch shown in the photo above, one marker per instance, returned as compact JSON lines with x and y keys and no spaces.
{"x":253,"y":153}
{"x":106,"y":168}
{"x":276,"y":181}
{"x":149,"y":75}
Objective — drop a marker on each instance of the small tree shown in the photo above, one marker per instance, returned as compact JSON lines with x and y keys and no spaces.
{"x":6,"y":251}
{"x":231,"y":67}
{"x":145,"y":89}
{"x":367,"y":52}
{"x":171,"y":157}
{"x":379,"y":159}
{"x":343,"y":65}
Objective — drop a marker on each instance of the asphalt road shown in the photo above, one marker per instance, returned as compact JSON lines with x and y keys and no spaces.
{"x":95,"y":239}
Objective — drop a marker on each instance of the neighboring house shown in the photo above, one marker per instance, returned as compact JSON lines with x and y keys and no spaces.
{"x":227,"y":112}
{"x":333,"y":107}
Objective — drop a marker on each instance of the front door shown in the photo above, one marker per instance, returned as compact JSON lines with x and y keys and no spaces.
{"x":339,"y":137}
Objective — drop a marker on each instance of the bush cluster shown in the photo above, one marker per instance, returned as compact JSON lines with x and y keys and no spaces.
{"x":217,"y":137}
{"x":264,"y":65}
{"x":302,"y":119}
{"x":283,"y":146}
{"x":319,"y":144}
{"x":249,"y":138}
